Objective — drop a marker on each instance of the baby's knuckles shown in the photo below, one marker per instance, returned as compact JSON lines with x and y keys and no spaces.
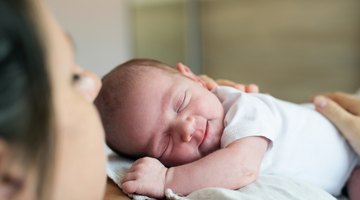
{"x":149,"y":178}
{"x":129,"y":187}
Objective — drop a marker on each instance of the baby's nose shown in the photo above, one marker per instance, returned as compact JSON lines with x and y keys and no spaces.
{"x":187,"y":129}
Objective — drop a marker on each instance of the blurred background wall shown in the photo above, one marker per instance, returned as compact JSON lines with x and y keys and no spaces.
{"x":101,"y":31}
{"x":292,"y":49}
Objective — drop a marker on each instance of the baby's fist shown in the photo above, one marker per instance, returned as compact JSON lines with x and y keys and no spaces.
{"x":146,"y":177}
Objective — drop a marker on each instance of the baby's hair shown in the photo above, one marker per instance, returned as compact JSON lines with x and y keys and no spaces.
{"x":116,"y":86}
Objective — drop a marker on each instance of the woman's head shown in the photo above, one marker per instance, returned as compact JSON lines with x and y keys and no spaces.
{"x":47,"y":119}
{"x":25,"y":97}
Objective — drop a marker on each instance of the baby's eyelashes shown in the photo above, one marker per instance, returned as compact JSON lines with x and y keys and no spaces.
{"x":184,"y":103}
{"x":181,"y":104}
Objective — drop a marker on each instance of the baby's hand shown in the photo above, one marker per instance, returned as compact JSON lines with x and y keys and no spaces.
{"x":146,"y":177}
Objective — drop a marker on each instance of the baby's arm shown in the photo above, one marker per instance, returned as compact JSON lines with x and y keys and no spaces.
{"x":232,"y":167}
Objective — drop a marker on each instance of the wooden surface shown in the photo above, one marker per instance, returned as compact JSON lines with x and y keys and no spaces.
{"x":113,"y":192}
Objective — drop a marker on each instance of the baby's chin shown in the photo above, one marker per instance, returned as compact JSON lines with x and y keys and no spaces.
{"x":215,"y":138}
{"x":210,"y":146}
{"x":174,"y":163}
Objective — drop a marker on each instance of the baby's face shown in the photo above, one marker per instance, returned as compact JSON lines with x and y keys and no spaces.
{"x":172,"y":118}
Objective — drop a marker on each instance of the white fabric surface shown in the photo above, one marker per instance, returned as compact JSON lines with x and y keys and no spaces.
{"x":266,"y":187}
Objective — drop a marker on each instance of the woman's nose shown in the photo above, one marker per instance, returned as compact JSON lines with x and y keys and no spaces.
{"x":90,"y":85}
{"x":186,"y":129}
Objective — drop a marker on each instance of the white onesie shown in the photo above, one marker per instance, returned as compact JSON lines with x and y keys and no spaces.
{"x":304,"y":144}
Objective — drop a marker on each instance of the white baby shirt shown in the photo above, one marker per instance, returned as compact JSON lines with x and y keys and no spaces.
{"x":304,"y":144}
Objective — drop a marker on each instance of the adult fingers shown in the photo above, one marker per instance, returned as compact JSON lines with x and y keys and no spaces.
{"x":209,"y":82}
{"x":349,"y":102}
{"x":347,"y":123}
{"x":233,"y":84}
{"x":252,"y":88}
{"x":334,"y":112}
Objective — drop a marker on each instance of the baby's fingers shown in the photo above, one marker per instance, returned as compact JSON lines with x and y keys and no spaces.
{"x":130,"y":187}
{"x":130,"y":176}
{"x":130,"y":182}
{"x":143,"y":188}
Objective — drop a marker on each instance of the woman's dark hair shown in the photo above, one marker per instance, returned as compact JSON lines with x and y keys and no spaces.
{"x":25,"y":98}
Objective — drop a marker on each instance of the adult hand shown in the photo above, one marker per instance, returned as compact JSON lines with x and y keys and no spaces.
{"x":210,"y":83}
{"x":344,"y":111}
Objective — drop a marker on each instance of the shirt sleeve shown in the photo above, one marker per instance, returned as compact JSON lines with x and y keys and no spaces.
{"x":247,"y":115}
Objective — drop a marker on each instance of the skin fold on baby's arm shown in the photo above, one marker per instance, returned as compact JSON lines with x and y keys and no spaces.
{"x":232,"y":167}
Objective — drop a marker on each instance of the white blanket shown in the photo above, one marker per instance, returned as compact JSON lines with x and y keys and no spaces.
{"x":266,"y":187}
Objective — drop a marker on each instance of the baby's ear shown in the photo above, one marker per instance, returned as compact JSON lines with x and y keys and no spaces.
{"x":186,"y":71}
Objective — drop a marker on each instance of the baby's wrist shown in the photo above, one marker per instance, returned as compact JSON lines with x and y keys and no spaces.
{"x":169,"y":174}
